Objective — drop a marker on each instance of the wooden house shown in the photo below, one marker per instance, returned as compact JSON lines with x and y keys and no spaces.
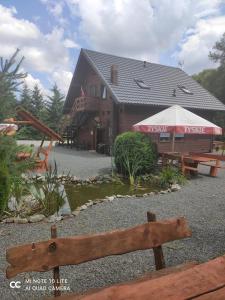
{"x":108,"y":94}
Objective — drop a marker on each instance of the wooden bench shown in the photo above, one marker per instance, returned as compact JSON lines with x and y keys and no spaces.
{"x":41,"y":163}
{"x":48,"y":255}
{"x":186,"y":168}
{"x":213,"y":168}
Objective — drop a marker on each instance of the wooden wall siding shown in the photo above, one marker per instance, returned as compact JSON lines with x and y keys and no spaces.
{"x":192,"y":143}
{"x":118,"y":118}
{"x":130,"y":115}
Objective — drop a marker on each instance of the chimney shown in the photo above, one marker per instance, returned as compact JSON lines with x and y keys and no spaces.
{"x":114,"y":74}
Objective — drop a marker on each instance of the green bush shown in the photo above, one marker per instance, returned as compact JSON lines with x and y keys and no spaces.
{"x":15,"y":168}
{"x":170,"y":175}
{"x":135,"y":154}
{"x":4,"y":187}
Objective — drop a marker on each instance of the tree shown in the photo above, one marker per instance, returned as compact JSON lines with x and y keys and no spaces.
{"x":10,"y":79}
{"x":37,"y":103}
{"x":213,"y":79}
{"x":25,"y":98}
{"x":54,"y":108}
{"x":219,"y":54}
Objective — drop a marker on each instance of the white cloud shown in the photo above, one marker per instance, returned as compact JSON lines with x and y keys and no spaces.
{"x":43,"y":52}
{"x":62,"y":79}
{"x":46,"y":53}
{"x":142,"y":29}
{"x":194,"y":50}
{"x":31,"y":82}
{"x":70,"y":44}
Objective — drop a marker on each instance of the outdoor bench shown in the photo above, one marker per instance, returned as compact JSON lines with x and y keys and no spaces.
{"x":48,"y":255}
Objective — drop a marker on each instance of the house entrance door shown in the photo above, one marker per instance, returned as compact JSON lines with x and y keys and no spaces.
{"x":100,"y":139}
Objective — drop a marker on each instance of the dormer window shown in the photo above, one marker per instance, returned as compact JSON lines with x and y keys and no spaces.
{"x":185,"y":90}
{"x":141,"y":84}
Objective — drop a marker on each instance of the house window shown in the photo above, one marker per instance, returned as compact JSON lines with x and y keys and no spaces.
{"x":93,"y":90}
{"x":164,"y":137}
{"x":185,"y":90}
{"x":103,"y":92}
{"x":179,"y":137}
{"x":141,"y":84}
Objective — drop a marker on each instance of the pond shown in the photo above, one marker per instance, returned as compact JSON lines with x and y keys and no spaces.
{"x":79,"y":195}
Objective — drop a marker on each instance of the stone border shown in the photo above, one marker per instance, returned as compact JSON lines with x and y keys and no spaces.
{"x":100,"y":179}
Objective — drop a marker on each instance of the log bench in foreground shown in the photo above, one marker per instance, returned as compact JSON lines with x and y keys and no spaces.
{"x":49,"y":255}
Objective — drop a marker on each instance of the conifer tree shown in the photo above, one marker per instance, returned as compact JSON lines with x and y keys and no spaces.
{"x":37,"y":103}
{"x":10,"y":79}
{"x":54,"y":108}
{"x":25,"y":98}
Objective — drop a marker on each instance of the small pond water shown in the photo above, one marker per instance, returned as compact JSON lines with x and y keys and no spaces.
{"x":79,"y":195}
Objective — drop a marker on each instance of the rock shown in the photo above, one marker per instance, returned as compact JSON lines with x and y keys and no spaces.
{"x":55,"y":218}
{"x":110,"y":198}
{"x":75,"y":213}
{"x":83,"y":207}
{"x":20,"y":220}
{"x":145,"y":195}
{"x":107,"y":177}
{"x":36,"y":218}
{"x":175,"y":187}
{"x":8,"y":220}
{"x":119,"y":196}
{"x":12,"y":204}
{"x":163,"y":192}
{"x":139,"y":195}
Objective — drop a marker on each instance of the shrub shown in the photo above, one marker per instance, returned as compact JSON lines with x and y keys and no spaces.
{"x":15,"y":168}
{"x":4,"y":187}
{"x":49,"y":192}
{"x":170,"y":175}
{"x":135,"y":154}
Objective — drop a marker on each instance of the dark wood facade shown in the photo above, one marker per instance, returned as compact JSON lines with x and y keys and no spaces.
{"x":98,"y":119}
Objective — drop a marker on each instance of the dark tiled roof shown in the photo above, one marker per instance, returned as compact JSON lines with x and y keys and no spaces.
{"x":161,"y":79}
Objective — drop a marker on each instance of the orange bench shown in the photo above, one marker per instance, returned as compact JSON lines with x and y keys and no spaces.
{"x":41,"y":163}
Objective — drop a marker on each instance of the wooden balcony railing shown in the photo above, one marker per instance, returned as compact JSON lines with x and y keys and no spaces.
{"x":85,"y":104}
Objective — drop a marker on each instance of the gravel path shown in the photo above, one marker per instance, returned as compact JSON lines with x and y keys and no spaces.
{"x":201,"y":201}
{"x":82,"y":164}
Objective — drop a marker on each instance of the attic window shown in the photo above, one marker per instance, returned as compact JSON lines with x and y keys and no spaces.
{"x":141,"y":84}
{"x":185,"y":90}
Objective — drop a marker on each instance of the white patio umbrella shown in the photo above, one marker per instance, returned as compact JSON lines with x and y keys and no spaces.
{"x":176,"y":119}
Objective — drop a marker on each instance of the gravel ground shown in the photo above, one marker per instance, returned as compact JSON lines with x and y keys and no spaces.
{"x":82,"y":164}
{"x":201,"y":201}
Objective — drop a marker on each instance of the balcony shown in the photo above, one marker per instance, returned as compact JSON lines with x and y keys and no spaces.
{"x":89,"y":104}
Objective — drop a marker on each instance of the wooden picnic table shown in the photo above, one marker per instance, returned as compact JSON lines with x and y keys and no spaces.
{"x":201,"y":282}
{"x":191,"y":162}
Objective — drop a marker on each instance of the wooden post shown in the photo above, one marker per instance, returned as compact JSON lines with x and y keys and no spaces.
{"x":173,"y":142}
{"x":158,"y":252}
{"x":56,"y":276}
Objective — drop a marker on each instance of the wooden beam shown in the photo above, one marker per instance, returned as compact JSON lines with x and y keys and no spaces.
{"x":158,"y":252}
{"x":76,"y":250}
{"x":56,"y":275}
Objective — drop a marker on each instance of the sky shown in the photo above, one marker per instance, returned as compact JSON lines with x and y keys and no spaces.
{"x":50,"y":33}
